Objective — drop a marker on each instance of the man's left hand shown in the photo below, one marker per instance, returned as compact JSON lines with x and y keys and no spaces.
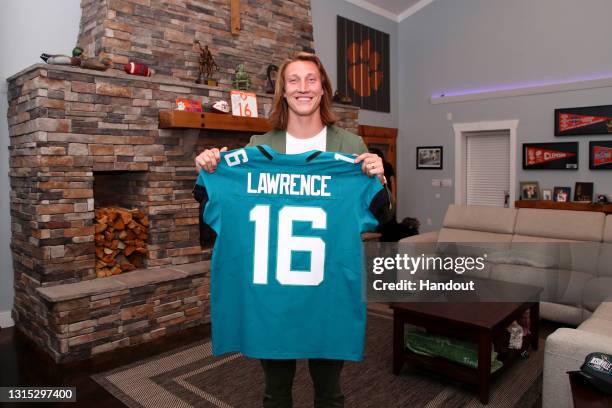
{"x":372,"y":165}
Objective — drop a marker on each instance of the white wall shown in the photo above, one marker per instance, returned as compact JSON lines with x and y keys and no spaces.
{"x":27,"y":29}
{"x":458,"y":45}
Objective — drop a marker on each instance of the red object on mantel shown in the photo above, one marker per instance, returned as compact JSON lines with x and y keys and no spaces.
{"x":137,"y":68}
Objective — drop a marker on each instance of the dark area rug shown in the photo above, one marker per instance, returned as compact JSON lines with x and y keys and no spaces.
{"x":191,"y":377}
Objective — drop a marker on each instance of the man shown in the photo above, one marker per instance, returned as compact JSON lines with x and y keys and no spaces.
{"x":303,"y":120}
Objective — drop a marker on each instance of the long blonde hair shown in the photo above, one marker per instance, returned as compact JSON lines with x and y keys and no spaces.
{"x":279,"y":115}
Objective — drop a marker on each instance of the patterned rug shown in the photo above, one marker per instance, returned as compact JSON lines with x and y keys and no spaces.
{"x":191,"y":377}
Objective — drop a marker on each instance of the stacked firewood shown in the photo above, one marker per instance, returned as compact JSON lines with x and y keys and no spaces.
{"x":121,"y":240}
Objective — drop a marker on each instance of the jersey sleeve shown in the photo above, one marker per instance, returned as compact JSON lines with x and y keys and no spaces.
{"x":376,"y":204}
{"x":204,"y":193}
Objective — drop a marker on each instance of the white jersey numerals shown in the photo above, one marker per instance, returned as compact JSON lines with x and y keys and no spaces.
{"x":287,"y":243}
{"x":235,"y":158}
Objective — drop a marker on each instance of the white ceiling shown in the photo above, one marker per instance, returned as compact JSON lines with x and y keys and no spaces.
{"x":395,"y":10}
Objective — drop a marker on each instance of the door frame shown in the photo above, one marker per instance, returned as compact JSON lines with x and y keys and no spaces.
{"x":460,"y":130}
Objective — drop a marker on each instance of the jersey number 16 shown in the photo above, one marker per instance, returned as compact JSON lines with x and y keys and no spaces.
{"x":287,"y":242}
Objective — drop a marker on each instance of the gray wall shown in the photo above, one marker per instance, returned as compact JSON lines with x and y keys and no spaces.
{"x":27,"y":28}
{"x":454,"y":45}
{"x":324,"y":14}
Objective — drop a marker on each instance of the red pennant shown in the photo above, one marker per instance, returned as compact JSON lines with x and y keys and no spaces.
{"x":537,"y":155}
{"x":602,"y":155}
{"x":569,"y":121}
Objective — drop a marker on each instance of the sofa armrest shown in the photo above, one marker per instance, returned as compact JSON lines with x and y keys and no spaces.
{"x":426,"y":238}
{"x":565,"y":351}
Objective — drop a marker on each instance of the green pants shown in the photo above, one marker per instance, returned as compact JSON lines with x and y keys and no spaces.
{"x":325,"y":375}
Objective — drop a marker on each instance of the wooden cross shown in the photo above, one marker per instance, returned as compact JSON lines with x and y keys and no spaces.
{"x":235,"y":17}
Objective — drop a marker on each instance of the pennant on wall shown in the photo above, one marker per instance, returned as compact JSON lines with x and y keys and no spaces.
{"x":590,"y":120}
{"x":363,"y":65}
{"x":600,"y":155}
{"x":550,"y":156}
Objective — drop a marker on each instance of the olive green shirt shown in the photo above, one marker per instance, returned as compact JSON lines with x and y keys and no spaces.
{"x":338,"y":140}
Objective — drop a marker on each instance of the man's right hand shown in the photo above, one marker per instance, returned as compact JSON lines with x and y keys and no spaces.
{"x":208,"y":159}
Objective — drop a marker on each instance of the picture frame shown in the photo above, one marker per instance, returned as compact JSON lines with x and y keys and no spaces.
{"x":550,"y":156}
{"x":530,"y":190}
{"x":583,"y":192}
{"x":547,"y":194}
{"x":588,"y":120}
{"x":429,"y":157}
{"x":562,"y":194}
{"x":600,"y":155}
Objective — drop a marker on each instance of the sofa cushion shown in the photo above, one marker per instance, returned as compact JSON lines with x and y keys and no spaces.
{"x":596,"y":291}
{"x":560,"y":224}
{"x":597,"y":325}
{"x":607,"y":235}
{"x":604,"y":311}
{"x":604,"y":261}
{"x":480,"y":218}
{"x":465,"y":235}
{"x":559,"y":286}
{"x":563,"y":313}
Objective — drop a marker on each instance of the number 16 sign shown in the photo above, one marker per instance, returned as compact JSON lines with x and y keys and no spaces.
{"x":244,"y":104}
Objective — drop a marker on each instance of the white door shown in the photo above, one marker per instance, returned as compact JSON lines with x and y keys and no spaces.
{"x":487,"y":168}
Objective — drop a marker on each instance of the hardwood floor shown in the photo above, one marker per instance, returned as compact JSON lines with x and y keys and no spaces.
{"x":23,"y":364}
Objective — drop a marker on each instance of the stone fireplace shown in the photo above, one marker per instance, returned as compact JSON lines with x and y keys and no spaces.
{"x":80,"y":139}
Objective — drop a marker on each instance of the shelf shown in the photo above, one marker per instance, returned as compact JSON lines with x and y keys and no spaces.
{"x":214,"y":121}
{"x":555,"y":205}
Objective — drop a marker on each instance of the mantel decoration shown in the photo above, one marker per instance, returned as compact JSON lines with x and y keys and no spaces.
{"x":590,"y":120}
{"x":206,"y":66}
{"x":271,"y":73}
{"x":241,"y":80}
{"x":78,"y":59}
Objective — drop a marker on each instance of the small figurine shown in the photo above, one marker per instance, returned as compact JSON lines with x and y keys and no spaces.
{"x":60,"y":59}
{"x":207,"y":66}
{"x":341,"y":98}
{"x":241,"y":79}
{"x":77,"y":51}
{"x":137,"y":68}
{"x":99,"y":64}
{"x":271,"y":74}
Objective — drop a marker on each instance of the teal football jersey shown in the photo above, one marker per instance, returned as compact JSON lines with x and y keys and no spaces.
{"x":286,"y":272}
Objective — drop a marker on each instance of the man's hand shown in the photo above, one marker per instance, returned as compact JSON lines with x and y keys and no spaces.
{"x":372,"y":165}
{"x":208,"y":159}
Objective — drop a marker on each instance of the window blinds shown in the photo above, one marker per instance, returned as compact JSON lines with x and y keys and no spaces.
{"x":487,"y":168}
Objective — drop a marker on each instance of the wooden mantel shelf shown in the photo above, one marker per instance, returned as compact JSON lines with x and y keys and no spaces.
{"x":214,"y":121}
{"x":555,"y":205}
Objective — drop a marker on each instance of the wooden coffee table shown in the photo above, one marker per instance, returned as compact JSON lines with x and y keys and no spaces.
{"x":477,"y":322}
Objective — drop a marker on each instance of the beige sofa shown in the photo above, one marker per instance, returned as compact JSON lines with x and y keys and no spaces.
{"x":567,"y":253}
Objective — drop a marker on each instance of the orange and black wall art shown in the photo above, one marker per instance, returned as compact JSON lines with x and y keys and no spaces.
{"x":363,"y":65}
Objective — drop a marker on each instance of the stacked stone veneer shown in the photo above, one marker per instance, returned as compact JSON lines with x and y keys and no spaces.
{"x":65,"y":125}
{"x":161,"y":34}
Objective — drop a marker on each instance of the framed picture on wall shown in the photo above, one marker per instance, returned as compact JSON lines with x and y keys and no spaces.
{"x":550,"y":156}
{"x":429,"y":157}
{"x":547,"y":194}
{"x":530,"y":190}
{"x":562,"y":194}
{"x":600,"y":155}
{"x":364,"y":72}
{"x":589,"y":120}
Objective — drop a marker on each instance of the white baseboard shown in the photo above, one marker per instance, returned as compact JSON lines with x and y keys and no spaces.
{"x":6,"y":320}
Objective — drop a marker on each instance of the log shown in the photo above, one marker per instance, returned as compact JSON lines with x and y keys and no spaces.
{"x":120,"y":239}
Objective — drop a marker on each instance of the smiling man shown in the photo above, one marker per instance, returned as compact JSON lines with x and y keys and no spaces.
{"x":303,"y":121}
